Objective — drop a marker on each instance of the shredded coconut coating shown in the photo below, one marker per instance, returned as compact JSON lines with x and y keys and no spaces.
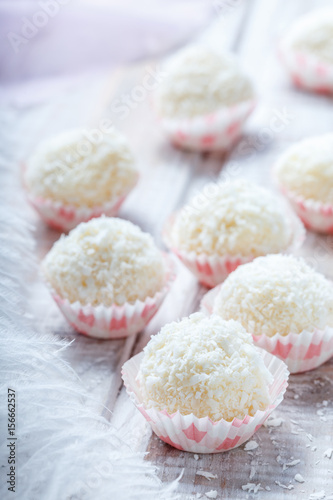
{"x":205,"y":366}
{"x":306,"y":169}
{"x":232,"y":218}
{"x":200,"y":81}
{"x":313,"y":34}
{"x":105,"y":261}
{"x":82,"y":172}
{"x":276,"y":294}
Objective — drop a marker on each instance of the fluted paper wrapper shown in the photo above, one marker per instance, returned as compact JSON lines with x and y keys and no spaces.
{"x":315,"y":215}
{"x":66,"y":217}
{"x":113,"y":322}
{"x":300,"y":351}
{"x":202,"y":435}
{"x":215,"y":131}
{"x":211,"y":270}
{"x":306,"y":71}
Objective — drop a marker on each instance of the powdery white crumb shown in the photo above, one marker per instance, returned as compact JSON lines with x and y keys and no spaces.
{"x":290,"y":464}
{"x":196,"y":457}
{"x":328,"y":453}
{"x":251,"y":445}
{"x":284,"y":486}
{"x":317,"y":496}
{"x":274,"y":422}
{"x":211,"y":494}
{"x":252,"y":487}
{"x":207,"y":475}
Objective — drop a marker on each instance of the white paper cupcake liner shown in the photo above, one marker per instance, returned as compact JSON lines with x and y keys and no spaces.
{"x":215,"y":131}
{"x":315,"y":215}
{"x":212,"y":270}
{"x":306,"y":71}
{"x":202,"y":435}
{"x":113,"y":322}
{"x":300,"y":351}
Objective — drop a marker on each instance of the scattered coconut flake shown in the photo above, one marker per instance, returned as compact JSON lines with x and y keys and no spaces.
{"x":267,"y":488}
{"x":293,"y":421}
{"x":252,"y":472}
{"x":318,"y":461}
{"x":211,"y":494}
{"x":285,"y":487}
{"x":290,"y":464}
{"x":320,"y":413}
{"x":307,"y":445}
{"x":273,"y":422}
{"x":317,"y":496}
{"x":328,"y":453}
{"x":325,"y":403}
{"x":314,"y":448}
{"x":251,"y":445}
{"x":196,"y":457}
{"x":323,"y":419}
{"x":309,"y":436}
{"x":299,"y":478}
{"x":207,"y":475}
{"x":252,"y":487}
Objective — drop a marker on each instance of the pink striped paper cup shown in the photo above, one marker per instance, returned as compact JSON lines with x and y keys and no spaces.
{"x":213,"y":132}
{"x":113,"y":322}
{"x":203,"y":435}
{"x":315,"y":215}
{"x":65,"y":217}
{"x":213,"y":269}
{"x":306,"y":71}
{"x":300,"y":351}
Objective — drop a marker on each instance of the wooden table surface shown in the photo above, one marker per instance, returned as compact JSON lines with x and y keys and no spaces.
{"x":168,"y":178}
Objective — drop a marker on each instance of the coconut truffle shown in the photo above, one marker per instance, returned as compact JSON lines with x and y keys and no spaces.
{"x":232,"y":218}
{"x":276,"y":294}
{"x":105,"y":261}
{"x":306,"y":169}
{"x":313,"y":35}
{"x":77,"y":169}
{"x":205,"y":366}
{"x":198,"y":82}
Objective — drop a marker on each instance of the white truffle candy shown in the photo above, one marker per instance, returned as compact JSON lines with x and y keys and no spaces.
{"x":232,"y":218}
{"x":276,"y":294}
{"x":78,"y":169}
{"x":200,"y":81}
{"x":105,"y":261}
{"x":306,"y":169}
{"x":313,"y":34}
{"x":205,"y":366}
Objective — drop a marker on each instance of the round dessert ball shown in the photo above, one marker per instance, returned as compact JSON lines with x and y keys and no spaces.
{"x":276,"y":294}
{"x":200,"y":81}
{"x":205,"y":366}
{"x":105,"y":261}
{"x":81,"y":169}
{"x":313,"y":35}
{"x":232,"y":218}
{"x":306,"y":169}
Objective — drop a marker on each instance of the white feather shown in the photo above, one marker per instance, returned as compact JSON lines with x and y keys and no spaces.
{"x":65,"y":450}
